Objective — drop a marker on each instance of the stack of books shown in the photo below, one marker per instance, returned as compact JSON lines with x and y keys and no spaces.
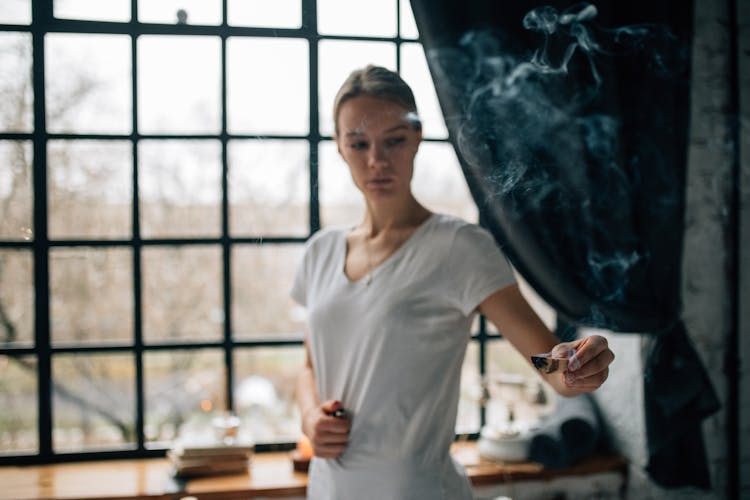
{"x":207,"y":459}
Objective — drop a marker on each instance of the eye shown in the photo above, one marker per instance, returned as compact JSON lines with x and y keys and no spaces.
{"x":394,"y":141}
{"x":358,"y":146}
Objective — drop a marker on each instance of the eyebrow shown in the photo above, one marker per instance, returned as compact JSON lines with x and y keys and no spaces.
{"x":392,"y":129}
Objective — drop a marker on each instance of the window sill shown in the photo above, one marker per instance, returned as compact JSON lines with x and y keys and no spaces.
{"x":271,"y":475}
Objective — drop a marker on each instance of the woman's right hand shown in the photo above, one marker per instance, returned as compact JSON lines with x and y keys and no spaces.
{"x":328,"y":434}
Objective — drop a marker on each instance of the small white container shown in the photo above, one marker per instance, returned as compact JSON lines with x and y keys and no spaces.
{"x":506,"y":442}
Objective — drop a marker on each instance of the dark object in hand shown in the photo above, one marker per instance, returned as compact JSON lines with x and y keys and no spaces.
{"x":545,"y":363}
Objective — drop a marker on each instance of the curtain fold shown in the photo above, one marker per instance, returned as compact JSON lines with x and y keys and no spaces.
{"x":570,"y":121}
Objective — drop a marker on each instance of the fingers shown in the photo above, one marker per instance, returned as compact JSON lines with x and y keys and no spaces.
{"x":329,"y":445}
{"x":586,"y":384}
{"x":331,"y":406}
{"x":332,"y":426}
{"x":329,"y":451}
{"x":588,"y":362}
{"x":596,"y":365}
{"x":587,"y":350}
{"x":329,"y":435}
{"x":564,"y":349}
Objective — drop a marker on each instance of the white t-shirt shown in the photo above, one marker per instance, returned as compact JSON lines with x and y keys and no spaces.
{"x":391,"y":349}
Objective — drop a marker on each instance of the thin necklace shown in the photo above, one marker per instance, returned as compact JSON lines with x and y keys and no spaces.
{"x":368,"y":278}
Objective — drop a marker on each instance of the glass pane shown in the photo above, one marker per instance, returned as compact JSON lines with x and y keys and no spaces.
{"x":94,"y":401}
{"x":268,"y":86}
{"x":90,"y":186}
{"x":91,"y":295}
{"x":440,"y":184}
{"x":513,"y":384}
{"x":265,"y":392}
{"x":181,"y":387}
{"x":262,"y":277}
{"x":15,"y":12}
{"x":415,"y":72}
{"x":468,"y":419}
{"x":18,"y":397}
{"x":341,"y":203}
{"x":88,"y":83}
{"x":16,"y":86}
{"x":16,"y":199}
{"x":168,"y":11}
{"x":179,"y":184}
{"x":269,"y":188}
{"x":357,"y":17}
{"x":179,"y":84}
{"x":406,"y":19}
{"x":93,"y":10}
{"x":16,"y":298}
{"x":265,"y":13}
{"x":337,"y":60}
{"x":182,"y":293}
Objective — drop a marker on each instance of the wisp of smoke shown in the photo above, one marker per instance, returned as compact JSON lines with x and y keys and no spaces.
{"x":531,"y":126}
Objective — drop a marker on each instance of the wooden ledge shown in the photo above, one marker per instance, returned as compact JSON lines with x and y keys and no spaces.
{"x":271,"y":475}
{"x":483,"y":472}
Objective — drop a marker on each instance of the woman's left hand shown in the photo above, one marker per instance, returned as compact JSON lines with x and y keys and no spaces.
{"x":588,"y":362}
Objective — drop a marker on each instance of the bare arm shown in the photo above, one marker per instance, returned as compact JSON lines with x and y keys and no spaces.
{"x":588,"y":368}
{"x":328,"y":435}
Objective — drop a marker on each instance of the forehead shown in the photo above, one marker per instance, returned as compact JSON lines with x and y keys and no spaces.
{"x":370,"y":114}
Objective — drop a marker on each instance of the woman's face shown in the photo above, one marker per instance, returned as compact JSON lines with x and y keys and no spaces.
{"x":378,"y":141}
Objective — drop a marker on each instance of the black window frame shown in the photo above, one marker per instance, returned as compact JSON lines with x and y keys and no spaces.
{"x":43,"y":22}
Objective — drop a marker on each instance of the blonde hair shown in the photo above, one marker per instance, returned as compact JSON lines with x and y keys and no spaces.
{"x":379,"y":82}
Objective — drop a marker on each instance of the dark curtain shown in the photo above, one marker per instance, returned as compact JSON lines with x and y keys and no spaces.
{"x":570,"y":121}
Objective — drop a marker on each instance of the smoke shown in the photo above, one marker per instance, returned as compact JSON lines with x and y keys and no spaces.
{"x":533,"y":125}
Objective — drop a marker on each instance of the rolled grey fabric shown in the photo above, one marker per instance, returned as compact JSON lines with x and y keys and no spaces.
{"x":571,"y":433}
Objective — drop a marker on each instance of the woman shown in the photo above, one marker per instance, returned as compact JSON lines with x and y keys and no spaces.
{"x":390,"y":305}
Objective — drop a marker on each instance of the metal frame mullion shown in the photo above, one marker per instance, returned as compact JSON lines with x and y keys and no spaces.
{"x":134,"y":26}
{"x":398,"y":36}
{"x":226,"y":244}
{"x":140,"y":403}
{"x":40,"y":17}
{"x":310,"y":27}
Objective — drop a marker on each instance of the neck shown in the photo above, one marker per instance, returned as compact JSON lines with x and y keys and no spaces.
{"x":386,"y":217}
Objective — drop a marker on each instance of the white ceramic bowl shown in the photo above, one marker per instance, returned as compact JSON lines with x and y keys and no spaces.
{"x":506,"y":443}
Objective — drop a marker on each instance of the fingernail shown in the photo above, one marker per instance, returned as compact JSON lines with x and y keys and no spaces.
{"x":570,"y":378}
{"x":574,"y":363}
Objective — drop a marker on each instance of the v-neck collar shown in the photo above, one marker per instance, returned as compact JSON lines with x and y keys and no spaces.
{"x":388,"y":260}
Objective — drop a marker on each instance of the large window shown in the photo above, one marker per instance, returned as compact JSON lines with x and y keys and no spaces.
{"x":161,"y":166}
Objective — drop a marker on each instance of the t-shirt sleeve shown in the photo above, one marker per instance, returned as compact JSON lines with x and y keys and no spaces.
{"x":478,"y":267}
{"x":302,"y":278}
{"x":299,"y":286}
{"x":318,"y":244}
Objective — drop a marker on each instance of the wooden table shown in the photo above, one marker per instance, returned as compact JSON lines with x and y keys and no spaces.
{"x":270,"y":476}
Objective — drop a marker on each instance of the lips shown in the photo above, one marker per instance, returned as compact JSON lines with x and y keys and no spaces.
{"x":380,"y":181}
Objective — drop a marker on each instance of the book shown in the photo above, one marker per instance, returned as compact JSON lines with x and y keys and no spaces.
{"x":210,"y":468}
{"x":202,"y":457}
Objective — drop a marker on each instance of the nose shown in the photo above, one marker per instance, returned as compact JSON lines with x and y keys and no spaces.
{"x":376,"y":156}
